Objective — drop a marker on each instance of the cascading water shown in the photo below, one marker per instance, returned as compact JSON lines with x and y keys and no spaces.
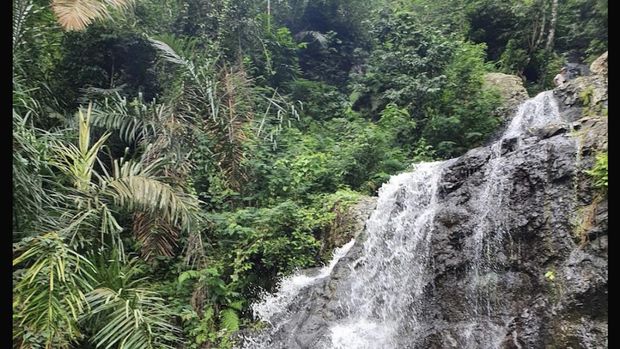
{"x":389,"y":282}
{"x":274,"y":305}
{"x":490,"y":228}
{"x":536,"y":113}
{"x":383,"y":303}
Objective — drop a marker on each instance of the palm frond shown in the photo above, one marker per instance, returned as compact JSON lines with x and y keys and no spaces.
{"x":92,"y":93}
{"x":156,"y":127}
{"x":272,"y":124}
{"x":201,"y":71}
{"x":156,"y":236}
{"x":134,"y":121}
{"x":77,"y":161}
{"x":233,"y":101}
{"x":23,"y":102}
{"x":119,"y":4}
{"x":78,"y":14}
{"x":21,"y":10}
{"x":133,"y":318}
{"x":136,"y":188}
{"x":49,"y":293}
{"x":38,"y":193}
{"x":28,"y":162}
{"x":168,"y":53}
{"x":316,"y":35}
{"x":114,"y":273}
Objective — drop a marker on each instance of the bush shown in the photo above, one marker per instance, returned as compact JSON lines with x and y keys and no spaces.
{"x":402,"y":69}
{"x":320,"y":101}
{"x":599,"y":172}
{"x":258,"y":244}
{"x":463,"y":116}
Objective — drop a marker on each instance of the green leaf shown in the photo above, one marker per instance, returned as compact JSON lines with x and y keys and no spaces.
{"x":550,"y":275}
{"x":229,"y":319}
{"x":190,"y":274}
{"x":237,"y":305}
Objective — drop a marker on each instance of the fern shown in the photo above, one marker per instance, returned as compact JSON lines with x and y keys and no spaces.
{"x":229,"y":319}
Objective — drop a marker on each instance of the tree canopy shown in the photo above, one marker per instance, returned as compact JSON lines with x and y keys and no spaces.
{"x":172,"y":159}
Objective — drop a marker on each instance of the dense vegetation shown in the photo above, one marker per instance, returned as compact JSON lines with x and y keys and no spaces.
{"x":173,"y":158}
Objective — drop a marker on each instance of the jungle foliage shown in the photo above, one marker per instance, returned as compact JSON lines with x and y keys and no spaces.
{"x":172,"y":159}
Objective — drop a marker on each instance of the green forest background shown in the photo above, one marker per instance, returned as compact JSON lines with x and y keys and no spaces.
{"x":173,"y":159}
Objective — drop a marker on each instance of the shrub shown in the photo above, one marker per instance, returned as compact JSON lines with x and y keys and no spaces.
{"x":599,"y":171}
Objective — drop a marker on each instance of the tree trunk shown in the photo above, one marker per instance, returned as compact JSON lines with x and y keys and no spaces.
{"x":554,"y":17}
{"x":541,"y":33}
{"x":269,"y":16}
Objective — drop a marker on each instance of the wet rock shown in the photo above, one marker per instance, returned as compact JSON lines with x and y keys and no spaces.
{"x":584,"y":91}
{"x":577,"y":69}
{"x":464,"y":167}
{"x":550,"y":131}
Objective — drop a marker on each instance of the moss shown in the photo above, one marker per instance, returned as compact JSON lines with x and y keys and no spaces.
{"x":342,"y":220}
{"x":585,"y":96}
{"x":586,"y":221}
{"x":554,"y":285}
{"x":591,"y":109}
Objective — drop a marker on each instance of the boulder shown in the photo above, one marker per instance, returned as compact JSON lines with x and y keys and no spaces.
{"x":348,"y":224}
{"x":510,"y":88}
{"x":599,"y":66}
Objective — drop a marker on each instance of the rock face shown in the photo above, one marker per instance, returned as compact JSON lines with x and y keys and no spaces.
{"x":577,"y":69}
{"x":510,"y":249}
{"x":348,"y":224}
{"x":510,"y":88}
{"x":599,"y":66}
{"x":583,"y":95}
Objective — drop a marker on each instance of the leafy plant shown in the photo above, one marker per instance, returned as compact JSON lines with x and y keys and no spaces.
{"x":131,"y":318}
{"x":599,"y":172}
{"x":49,"y":291}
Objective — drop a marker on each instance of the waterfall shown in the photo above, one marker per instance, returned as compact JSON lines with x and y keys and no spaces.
{"x":490,"y":228}
{"x":383,"y":303}
{"x":274,"y":305}
{"x":388,"y":283}
{"x":536,"y":113}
